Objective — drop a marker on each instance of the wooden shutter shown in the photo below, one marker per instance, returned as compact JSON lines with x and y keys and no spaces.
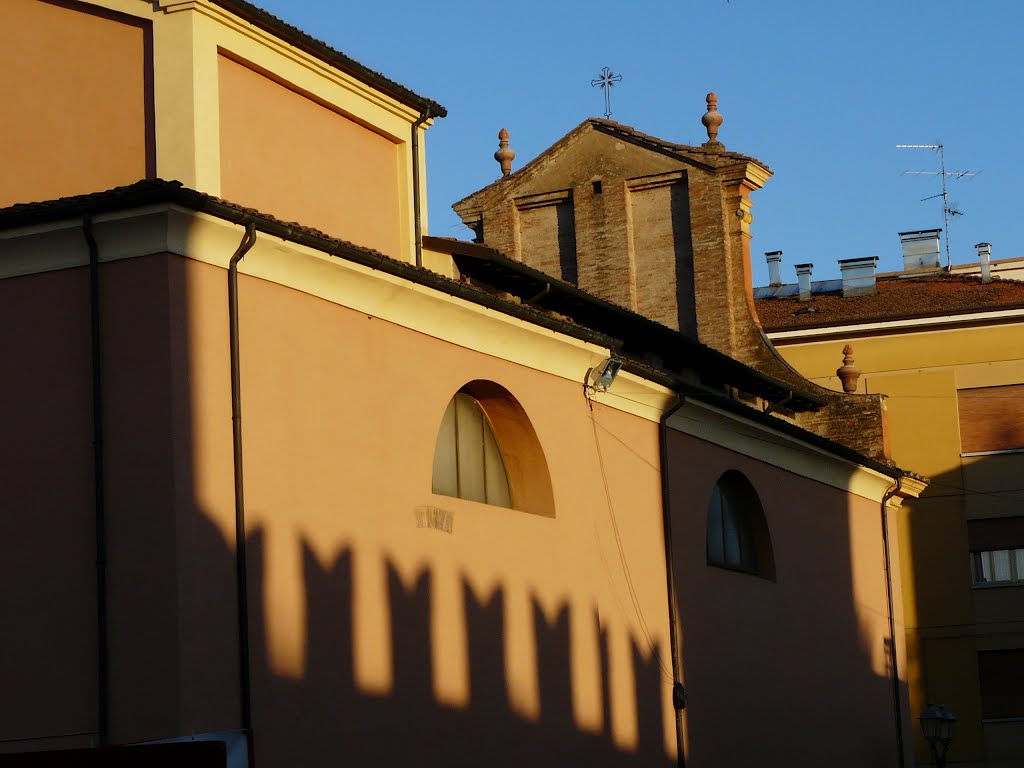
{"x":991,"y":418}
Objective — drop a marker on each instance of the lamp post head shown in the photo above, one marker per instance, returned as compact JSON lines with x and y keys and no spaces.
{"x":938,"y":724}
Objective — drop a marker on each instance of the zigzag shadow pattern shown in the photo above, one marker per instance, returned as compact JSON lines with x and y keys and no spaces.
{"x":323,"y":719}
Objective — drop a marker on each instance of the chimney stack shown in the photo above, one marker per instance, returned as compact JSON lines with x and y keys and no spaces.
{"x":920,"y":249}
{"x":774,"y":259}
{"x":803,"y":277}
{"x":984,"y":256}
{"x":858,"y":275}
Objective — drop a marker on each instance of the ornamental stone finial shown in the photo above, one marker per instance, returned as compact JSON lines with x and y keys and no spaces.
{"x":504,"y":155}
{"x":712,"y":120}
{"x":849,"y":373}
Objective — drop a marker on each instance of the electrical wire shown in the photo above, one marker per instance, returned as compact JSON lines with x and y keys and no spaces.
{"x":634,"y":598}
{"x":961,"y":490}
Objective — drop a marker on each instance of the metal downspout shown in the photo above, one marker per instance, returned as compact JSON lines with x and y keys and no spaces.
{"x":99,"y":492}
{"x":678,"y":700}
{"x":245,"y":685}
{"x":416,"y":202}
{"x":897,"y":709}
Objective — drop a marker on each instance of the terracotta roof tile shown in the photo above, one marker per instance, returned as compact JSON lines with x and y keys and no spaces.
{"x":897,"y":298}
{"x":627,"y":133}
{"x":155,"y":191}
{"x":631,"y":133}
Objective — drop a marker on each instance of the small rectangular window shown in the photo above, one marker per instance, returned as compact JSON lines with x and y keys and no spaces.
{"x":999,"y":566}
{"x":1000,"y":674}
{"x":997,"y":550}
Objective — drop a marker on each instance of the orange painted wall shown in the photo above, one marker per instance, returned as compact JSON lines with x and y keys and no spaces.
{"x":287,"y":155}
{"x":77,"y":105}
{"x":379,"y":640}
{"x":519,"y":637}
{"x":793,"y":671}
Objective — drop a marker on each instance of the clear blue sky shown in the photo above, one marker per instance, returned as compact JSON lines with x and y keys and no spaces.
{"x":819,"y":91}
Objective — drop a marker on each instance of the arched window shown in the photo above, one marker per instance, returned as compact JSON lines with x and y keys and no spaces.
{"x":738,"y":536}
{"x":488,"y":451}
{"x":467,"y":461}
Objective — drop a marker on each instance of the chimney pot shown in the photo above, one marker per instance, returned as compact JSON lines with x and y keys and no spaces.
{"x":803,"y":277}
{"x":774,"y":259}
{"x":920,"y":249}
{"x":858,"y":276}
{"x":984,"y":258}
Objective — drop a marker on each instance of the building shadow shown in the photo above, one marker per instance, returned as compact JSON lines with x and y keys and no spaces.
{"x":951,"y":620}
{"x":323,"y":718}
{"x":790,"y":670}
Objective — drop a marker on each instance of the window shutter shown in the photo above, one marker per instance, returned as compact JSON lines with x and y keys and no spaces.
{"x":991,"y":418}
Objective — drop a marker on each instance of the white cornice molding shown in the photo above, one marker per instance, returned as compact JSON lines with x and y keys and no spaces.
{"x":166,"y":228}
{"x":761,"y":442}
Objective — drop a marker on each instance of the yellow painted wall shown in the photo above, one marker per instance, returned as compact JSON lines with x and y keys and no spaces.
{"x":947,"y":620}
{"x":77,"y":100}
{"x":102,"y":93}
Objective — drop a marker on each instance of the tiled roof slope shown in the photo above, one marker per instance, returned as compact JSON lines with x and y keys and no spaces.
{"x":295,"y":36}
{"x":700,"y":155}
{"x":156,"y":191}
{"x":896,"y":298}
{"x":630,"y":133}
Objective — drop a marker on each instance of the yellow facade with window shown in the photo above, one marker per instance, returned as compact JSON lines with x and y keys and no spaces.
{"x":955,"y":402}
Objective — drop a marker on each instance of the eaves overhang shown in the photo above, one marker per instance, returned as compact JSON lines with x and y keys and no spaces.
{"x":603,"y":316}
{"x":294,"y":36}
{"x":643,"y":339}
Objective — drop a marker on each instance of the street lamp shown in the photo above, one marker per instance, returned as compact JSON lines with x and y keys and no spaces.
{"x":938,"y":724}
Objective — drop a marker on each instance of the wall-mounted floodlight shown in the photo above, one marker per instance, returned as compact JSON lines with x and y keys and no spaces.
{"x":600,"y":378}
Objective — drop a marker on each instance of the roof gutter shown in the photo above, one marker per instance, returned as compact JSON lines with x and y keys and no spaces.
{"x":99,"y":492}
{"x":896,"y":487}
{"x":305,"y":42}
{"x":241,"y":577}
{"x":417,"y":210}
{"x":678,"y":692}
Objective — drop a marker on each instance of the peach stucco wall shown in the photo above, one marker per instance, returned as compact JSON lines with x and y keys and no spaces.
{"x":287,"y":155}
{"x":515,"y":628}
{"x":516,"y":638}
{"x":76,"y":108}
{"x":792,"y":671}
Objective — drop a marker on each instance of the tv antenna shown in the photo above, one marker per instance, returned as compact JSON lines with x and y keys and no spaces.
{"x":947,"y":210}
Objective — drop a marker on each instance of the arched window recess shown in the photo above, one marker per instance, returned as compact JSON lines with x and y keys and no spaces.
{"x":487,"y":451}
{"x":737,"y":531}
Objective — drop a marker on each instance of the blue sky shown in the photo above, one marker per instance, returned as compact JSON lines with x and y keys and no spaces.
{"x":819,"y":91}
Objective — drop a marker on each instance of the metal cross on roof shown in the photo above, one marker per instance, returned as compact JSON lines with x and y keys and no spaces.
{"x":605,"y":82}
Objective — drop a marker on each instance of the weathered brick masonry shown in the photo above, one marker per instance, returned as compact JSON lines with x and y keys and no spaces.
{"x":664,"y":230}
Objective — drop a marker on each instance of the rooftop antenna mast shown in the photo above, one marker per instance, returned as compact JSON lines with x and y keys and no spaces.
{"x":947,"y":210}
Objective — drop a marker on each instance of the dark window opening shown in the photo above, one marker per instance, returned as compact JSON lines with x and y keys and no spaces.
{"x":1000,"y":674}
{"x":737,"y":533}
